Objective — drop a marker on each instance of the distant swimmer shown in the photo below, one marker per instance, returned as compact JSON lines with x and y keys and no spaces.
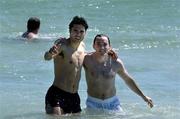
{"x":101,"y":67}
{"x":33,"y":26}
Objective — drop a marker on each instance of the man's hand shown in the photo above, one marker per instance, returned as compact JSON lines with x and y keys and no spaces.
{"x":112,"y":54}
{"x":55,"y":50}
{"x":149,"y":101}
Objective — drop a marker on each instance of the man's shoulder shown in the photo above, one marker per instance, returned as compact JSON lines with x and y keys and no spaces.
{"x":32,"y":35}
{"x":118,"y":64}
{"x":88,"y":57}
{"x":117,"y":61}
{"x":29,"y":35}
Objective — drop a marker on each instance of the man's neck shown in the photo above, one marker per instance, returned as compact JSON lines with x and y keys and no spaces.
{"x":101,"y":58}
{"x":74,"y":45}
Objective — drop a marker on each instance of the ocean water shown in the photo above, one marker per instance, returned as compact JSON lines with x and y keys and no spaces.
{"x":145,"y":34}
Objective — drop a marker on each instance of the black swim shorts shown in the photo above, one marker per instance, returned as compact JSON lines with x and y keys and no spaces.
{"x":69,"y":102}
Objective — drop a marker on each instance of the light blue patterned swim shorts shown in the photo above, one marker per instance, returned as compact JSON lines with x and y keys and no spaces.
{"x":112,"y":104}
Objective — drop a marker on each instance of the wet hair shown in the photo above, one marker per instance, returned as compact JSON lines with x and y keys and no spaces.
{"x":33,"y":24}
{"x":78,"y":20}
{"x":101,"y":35}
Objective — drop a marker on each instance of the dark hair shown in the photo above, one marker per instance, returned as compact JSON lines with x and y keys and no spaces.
{"x":101,"y":35}
{"x":78,"y":20}
{"x":33,"y":24}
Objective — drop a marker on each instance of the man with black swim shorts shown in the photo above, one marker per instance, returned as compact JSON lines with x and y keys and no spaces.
{"x":68,"y":55}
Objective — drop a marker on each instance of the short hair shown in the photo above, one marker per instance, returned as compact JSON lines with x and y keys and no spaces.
{"x":78,"y":20}
{"x":33,"y":24}
{"x":101,"y":35}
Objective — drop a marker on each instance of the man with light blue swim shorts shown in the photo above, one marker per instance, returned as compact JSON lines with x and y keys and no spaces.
{"x":101,"y":68}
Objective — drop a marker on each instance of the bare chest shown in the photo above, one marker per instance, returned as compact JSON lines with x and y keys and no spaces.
{"x":75,"y":59}
{"x":104,"y":71}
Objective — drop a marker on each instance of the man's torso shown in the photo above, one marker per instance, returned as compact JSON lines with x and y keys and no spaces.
{"x":67,"y":67}
{"x":100,"y":77}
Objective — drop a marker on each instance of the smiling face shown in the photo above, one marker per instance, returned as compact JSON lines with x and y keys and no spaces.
{"x":101,"y":45}
{"x":77,"y":33}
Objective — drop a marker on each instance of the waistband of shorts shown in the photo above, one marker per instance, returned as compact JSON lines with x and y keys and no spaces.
{"x":108,"y":100}
{"x":62,"y":91}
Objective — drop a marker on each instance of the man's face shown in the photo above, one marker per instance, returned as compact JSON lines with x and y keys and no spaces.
{"x":101,"y":45}
{"x":77,"y":33}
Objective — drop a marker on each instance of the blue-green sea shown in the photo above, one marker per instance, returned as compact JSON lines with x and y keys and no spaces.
{"x":145,"y":34}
